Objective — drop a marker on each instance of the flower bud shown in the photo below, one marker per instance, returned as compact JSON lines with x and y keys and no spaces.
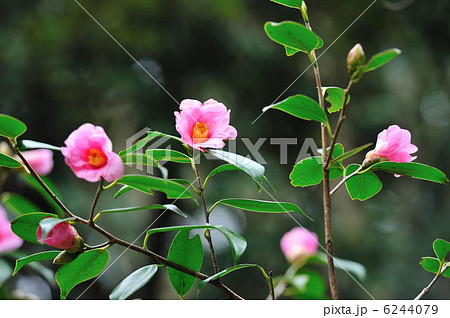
{"x":41,"y":160}
{"x":64,"y":258}
{"x":298,"y":244}
{"x":355,"y":58}
{"x":63,"y":236}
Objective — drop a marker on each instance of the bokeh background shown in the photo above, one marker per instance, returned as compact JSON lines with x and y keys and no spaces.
{"x":59,"y":69}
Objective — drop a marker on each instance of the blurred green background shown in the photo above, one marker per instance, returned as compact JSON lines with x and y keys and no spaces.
{"x":59,"y":69}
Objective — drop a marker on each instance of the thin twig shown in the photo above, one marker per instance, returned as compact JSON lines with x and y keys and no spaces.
{"x":345,"y":179}
{"x":205,"y":209}
{"x":94,"y":202}
{"x":272,"y":291}
{"x":433,"y":281}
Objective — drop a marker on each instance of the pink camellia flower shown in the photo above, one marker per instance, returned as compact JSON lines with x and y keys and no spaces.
{"x":299,"y":243}
{"x":62,"y":236}
{"x":41,"y":160}
{"x":8,"y":240}
{"x":393,"y":144}
{"x":204,"y":125}
{"x":89,"y":154}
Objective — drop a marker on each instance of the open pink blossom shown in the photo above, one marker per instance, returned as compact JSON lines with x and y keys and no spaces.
{"x":61,"y":236}
{"x":204,"y":125}
{"x":89,"y":154}
{"x":8,"y":240}
{"x":393,"y":144}
{"x":41,"y":160}
{"x":299,"y":243}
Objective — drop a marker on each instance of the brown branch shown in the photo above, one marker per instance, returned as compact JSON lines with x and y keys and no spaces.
{"x":94,"y":202}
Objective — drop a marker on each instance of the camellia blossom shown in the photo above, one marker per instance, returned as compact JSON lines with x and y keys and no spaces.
{"x":393,"y":144}
{"x":41,"y":160}
{"x":299,"y":243}
{"x":62,"y":236}
{"x":8,"y":240}
{"x":89,"y":154}
{"x":204,"y":125}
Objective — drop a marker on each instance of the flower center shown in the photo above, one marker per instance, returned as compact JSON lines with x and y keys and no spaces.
{"x":96,"y":158}
{"x":200,"y":133}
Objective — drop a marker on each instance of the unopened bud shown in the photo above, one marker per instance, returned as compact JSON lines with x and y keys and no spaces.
{"x":355,"y":58}
{"x":64,"y":258}
{"x":372,"y":158}
{"x":78,"y":244}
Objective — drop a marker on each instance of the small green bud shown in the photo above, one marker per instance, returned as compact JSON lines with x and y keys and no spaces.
{"x":355,"y":58}
{"x":78,"y":244}
{"x":64,"y":258}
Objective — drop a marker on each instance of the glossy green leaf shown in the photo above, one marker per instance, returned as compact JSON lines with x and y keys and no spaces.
{"x":300,"y":106}
{"x":223,"y":168}
{"x":412,"y":169}
{"x":34,"y":184}
{"x":335,"y":96}
{"x":350,"y":153}
{"x":9,"y":162}
{"x":297,"y":4}
{"x":441,"y":249}
{"x":307,"y":172}
{"x":252,"y":168}
{"x":237,"y":243}
{"x":48,"y":224}
{"x":25,"y":226}
{"x":125,"y":189}
{"x":11,"y":127}
{"x":229,"y":270}
{"x":86,"y":266}
{"x":170,"y":207}
{"x":380,"y":59}
{"x":290,"y":52}
{"x":308,"y":285}
{"x":186,"y":252}
{"x":42,"y":256}
{"x":362,"y":186}
{"x":261,"y":206}
{"x":18,"y":204}
{"x":293,"y":35}
{"x":133,"y":282}
{"x":31,"y":144}
{"x":138,"y":145}
{"x":431,"y":264}
{"x":147,"y":184}
{"x":157,"y":155}
{"x":342,"y":264}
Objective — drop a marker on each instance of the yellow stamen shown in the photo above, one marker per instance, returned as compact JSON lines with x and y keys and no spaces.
{"x":200,"y":133}
{"x":96,"y":158}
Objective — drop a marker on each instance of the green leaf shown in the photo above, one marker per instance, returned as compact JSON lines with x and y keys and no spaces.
{"x":170,"y":207}
{"x":220,"y":169}
{"x":293,"y":35}
{"x":18,"y":204}
{"x":350,"y":153}
{"x":11,"y":127}
{"x":380,"y":59}
{"x":125,"y":189}
{"x":86,"y":266}
{"x":31,"y":144}
{"x":133,"y":282}
{"x":48,"y":224}
{"x":237,"y":243}
{"x":362,"y":186}
{"x":34,"y":184}
{"x":343,"y":264}
{"x":252,"y":168}
{"x":157,"y":155}
{"x":261,"y":206}
{"x":290,"y":52}
{"x":441,"y":249}
{"x":9,"y":162}
{"x":412,"y":169}
{"x":433,"y":265}
{"x":308,"y":285}
{"x":42,"y":256}
{"x":300,"y":106}
{"x":138,"y":145}
{"x":186,"y":252}
{"x":25,"y":226}
{"x":229,"y":270}
{"x":297,"y":4}
{"x":146,"y":184}
{"x":336,"y":98}
{"x":307,"y":172}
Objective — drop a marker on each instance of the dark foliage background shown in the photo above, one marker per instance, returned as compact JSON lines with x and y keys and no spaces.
{"x":58,"y":69}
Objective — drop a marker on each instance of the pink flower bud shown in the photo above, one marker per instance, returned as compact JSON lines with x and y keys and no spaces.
{"x":89,"y":154}
{"x":41,"y":160}
{"x":63,"y":236}
{"x":204,"y":125}
{"x":393,"y":144}
{"x":8,"y":240}
{"x":299,"y":243}
{"x":355,"y":58}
